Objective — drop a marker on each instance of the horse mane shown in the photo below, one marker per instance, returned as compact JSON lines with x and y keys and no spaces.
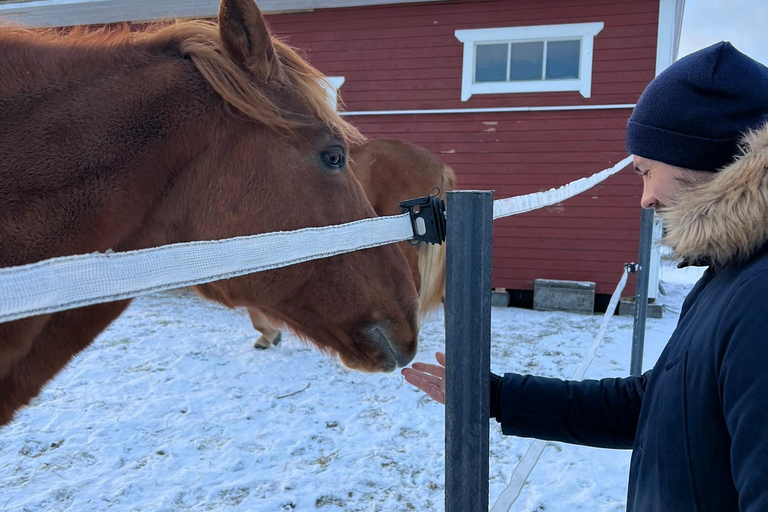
{"x":200,"y":41}
{"x":432,"y":258}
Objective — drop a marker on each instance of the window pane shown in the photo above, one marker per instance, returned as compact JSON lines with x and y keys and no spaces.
{"x":491,"y":63}
{"x":563,"y":59}
{"x":526,"y":61}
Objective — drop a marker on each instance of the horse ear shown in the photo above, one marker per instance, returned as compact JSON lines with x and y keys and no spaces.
{"x":246,"y":37}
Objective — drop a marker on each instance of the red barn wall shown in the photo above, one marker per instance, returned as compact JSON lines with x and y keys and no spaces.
{"x":406,"y":57}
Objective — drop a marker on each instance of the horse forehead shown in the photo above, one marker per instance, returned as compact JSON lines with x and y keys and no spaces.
{"x":292,"y":103}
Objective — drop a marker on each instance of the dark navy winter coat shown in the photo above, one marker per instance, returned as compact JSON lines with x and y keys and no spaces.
{"x":698,"y":421}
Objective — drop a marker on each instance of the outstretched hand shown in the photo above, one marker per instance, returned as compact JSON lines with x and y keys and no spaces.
{"x":429,"y":378}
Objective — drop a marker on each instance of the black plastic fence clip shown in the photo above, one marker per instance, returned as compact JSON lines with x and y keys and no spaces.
{"x":631,"y":268}
{"x":427,"y":217}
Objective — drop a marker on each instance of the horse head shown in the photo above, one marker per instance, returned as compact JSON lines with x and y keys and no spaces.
{"x":278,"y":160}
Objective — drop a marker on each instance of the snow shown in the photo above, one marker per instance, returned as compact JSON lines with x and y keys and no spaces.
{"x":171,"y":409}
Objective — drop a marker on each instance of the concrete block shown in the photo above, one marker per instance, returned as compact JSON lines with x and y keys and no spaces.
{"x":627,"y":308}
{"x":554,"y":295}
{"x":500,"y":298}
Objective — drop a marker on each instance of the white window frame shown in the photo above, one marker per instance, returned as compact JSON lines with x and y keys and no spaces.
{"x":585,"y":32}
{"x":332,"y":92}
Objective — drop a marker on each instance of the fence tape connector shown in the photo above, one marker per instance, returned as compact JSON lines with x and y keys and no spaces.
{"x":69,"y":282}
{"x":524,"y":468}
{"x":529,"y":202}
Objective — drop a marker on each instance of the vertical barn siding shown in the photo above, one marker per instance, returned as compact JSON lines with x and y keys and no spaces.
{"x":404,"y":57}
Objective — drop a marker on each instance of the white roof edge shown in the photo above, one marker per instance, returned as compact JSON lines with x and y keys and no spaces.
{"x":64,"y":13}
{"x":667,"y":45}
{"x":668,"y":36}
{"x":679,"y":13}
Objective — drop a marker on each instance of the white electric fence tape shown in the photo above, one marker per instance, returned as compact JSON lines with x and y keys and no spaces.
{"x":82,"y":280}
{"x":75,"y":281}
{"x":527,"y":203}
{"x":523,"y":470}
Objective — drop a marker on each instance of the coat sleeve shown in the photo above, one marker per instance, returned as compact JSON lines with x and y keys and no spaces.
{"x":743,"y":386}
{"x":600,"y":413}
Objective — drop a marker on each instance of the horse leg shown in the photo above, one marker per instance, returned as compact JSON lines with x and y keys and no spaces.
{"x":270,"y":335}
{"x":57,"y":342}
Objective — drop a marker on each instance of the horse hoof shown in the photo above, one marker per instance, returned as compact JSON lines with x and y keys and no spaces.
{"x":277,"y":340}
{"x":261,"y":344}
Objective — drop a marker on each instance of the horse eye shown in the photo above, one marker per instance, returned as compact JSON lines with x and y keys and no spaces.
{"x":334,"y":158}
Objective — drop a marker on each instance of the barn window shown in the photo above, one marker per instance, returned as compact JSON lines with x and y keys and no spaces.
{"x":543,"y":58}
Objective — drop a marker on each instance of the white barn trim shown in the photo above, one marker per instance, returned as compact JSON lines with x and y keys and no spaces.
{"x":67,"y":13}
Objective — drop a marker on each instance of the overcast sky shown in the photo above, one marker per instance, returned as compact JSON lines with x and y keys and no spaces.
{"x":742,"y":22}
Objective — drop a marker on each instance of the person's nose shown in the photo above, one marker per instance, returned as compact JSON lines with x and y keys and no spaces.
{"x":648,"y":200}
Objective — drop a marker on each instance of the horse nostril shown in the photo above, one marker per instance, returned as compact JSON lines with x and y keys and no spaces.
{"x":377,"y":334}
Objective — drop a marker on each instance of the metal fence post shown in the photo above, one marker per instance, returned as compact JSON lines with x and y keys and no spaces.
{"x":468,"y":348}
{"x":641,"y":294}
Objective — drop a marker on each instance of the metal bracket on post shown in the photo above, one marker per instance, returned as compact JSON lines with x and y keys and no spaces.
{"x":468,"y":350}
{"x":427,"y":217}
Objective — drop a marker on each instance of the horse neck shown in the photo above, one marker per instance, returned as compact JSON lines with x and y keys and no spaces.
{"x":87,"y":155}
{"x":89,"y":149}
{"x":391,"y":171}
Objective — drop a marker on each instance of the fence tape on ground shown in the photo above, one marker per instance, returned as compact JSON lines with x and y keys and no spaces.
{"x":70,"y":282}
{"x":75,"y":281}
{"x":523,"y":470}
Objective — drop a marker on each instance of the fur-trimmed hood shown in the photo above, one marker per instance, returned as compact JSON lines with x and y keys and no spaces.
{"x":724,"y":220}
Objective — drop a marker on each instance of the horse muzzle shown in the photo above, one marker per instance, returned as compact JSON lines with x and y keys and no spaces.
{"x":379,"y":337}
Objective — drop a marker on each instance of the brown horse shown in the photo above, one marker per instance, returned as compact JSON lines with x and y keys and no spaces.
{"x":118,"y":140}
{"x":391,"y":171}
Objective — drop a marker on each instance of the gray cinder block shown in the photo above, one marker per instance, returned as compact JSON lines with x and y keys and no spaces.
{"x":627,"y":308}
{"x":554,"y":295}
{"x":500,"y":298}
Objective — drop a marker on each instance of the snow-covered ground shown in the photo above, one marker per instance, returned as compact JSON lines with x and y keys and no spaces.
{"x":171,"y":409}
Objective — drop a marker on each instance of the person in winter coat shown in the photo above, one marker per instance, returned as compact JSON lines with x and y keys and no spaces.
{"x":698,"y":421}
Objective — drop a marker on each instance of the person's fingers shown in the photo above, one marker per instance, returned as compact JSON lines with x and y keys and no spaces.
{"x":437,"y":394}
{"x":412,"y":377}
{"x":416,"y":379}
{"x":438,"y":371}
{"x":429,"y":378}
{"x":434,"y":391}
{"x":432,"y":379}
{"x":421,"y":376}
{"x":431,"y":385}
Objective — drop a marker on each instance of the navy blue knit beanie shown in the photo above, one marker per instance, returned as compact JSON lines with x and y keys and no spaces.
{"x":694,"y":113}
